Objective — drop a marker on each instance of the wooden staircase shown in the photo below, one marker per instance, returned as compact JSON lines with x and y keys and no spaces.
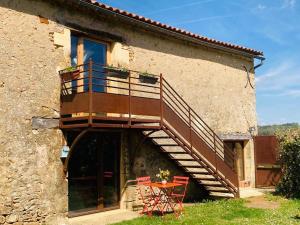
{"x":193,"y":146}
{"x":192,"y":163}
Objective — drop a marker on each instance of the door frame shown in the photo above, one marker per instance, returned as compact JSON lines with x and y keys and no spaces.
{"x":82,"y":212}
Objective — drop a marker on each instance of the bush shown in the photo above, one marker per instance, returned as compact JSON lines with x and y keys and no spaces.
{"x":289,"y":155}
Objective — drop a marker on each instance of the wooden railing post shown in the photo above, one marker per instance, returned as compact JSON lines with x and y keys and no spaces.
{"x":129,"y":99}
{"x":190,"y":125}
{"x":90,"y":86}
{"x":215,"y":148}
{"x":161,"y":99}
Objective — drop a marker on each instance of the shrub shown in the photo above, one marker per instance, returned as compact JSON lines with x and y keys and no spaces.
{"x":289,"y":156}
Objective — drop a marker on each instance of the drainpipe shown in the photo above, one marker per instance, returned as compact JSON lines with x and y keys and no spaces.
{"x":262,"y":59}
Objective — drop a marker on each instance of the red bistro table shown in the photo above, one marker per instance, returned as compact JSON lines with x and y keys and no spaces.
{"x":164,"y":199}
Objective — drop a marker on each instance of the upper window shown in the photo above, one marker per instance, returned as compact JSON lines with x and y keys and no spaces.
{"x":85,"y":49}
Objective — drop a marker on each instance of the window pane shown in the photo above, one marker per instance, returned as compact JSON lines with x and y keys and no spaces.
{"x":97,"y":53}
{"x":74,"y":44}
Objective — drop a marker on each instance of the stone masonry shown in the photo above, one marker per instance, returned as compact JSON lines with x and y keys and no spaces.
{"x":35,"y":45}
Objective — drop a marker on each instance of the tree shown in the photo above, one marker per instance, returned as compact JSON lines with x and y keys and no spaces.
{"x":289,"y":154}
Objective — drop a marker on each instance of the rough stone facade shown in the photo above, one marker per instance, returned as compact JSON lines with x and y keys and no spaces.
{"x":35,"y":44}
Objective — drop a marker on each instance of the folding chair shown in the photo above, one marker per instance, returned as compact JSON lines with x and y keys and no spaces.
{"x":179,"y":192}
{"x":146,"y":194}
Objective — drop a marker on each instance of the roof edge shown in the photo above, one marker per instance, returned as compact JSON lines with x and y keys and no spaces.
{"x":179,"y":33}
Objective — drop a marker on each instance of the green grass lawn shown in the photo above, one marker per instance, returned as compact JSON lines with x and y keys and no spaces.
{"x":231,"y":212}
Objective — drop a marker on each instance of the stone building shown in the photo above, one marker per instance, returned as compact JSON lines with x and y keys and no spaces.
{"x":110,"y":130}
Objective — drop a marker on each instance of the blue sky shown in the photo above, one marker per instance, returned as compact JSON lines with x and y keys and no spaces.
{"x":272,"y":26}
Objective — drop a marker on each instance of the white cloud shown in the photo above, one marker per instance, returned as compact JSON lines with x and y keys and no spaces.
{"x":274,"y":72}
{"x":288,"y":4}
{"x":291,"y":93}
{"x":206,"y":18}
{"x":261,"y":7}
{"x":177,"y":7}
{"x":283,"y":80}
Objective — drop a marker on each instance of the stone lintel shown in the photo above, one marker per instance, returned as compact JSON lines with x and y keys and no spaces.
{"x":235,"y":137}
{"x":44,"y":123}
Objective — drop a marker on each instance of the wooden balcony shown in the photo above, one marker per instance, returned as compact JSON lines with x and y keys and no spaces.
{"x":95,"y":96}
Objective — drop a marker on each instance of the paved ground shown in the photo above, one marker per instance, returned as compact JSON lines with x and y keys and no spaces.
{"x":261,"y":202}
{"x":104,"y":218}
{"x":252,"y":192}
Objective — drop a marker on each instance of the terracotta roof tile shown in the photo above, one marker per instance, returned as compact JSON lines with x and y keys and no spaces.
{"x":177,"y":30}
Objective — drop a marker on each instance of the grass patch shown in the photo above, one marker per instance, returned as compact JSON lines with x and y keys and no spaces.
{"x":229,"y":212}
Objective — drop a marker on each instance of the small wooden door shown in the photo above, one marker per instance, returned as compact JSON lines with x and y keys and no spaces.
{"x":267,"y":168}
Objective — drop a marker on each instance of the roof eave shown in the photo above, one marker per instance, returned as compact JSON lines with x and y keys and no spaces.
{"x":195,"y":40}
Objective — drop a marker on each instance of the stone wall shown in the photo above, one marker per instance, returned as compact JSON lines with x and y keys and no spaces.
{"x":32,"y":186}
{"x":34,"y":45}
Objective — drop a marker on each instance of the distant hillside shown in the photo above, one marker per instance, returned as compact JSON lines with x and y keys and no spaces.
{"x":271,"y":129}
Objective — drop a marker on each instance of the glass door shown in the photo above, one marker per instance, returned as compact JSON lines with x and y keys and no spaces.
{"x":94,"y":177}
{"x":82,"y":175}
{"x":82,"y":51}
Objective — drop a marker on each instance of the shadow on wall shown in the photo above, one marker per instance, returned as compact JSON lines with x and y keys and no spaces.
{"x":61,"y":12}
{"x":147,"y":160}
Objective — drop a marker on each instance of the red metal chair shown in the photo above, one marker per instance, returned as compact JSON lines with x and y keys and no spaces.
{"x":145,"y":194}
{"x":179,"y":192}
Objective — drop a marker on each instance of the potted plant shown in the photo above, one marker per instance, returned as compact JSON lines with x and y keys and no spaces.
{"x":148,"y":78}
{"x":163,"y":175}
{"x":70,"y":73}
{"x":118,"y":72}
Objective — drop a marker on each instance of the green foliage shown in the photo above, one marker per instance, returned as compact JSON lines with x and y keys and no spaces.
{"x":70,"y":69}
{"x":119,"y":68}
{"x":163,"y":174}
{"x":146,"y":74}
{"x":289,"y":143}
{"x":272,"y":129}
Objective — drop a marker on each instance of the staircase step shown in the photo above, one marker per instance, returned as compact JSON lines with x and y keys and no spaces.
{"x":221,"y":195}
{"x":189,"y":164}
{"x":211,"y":184}
{"x":195,"y":169}
{"x":156,"y":133}
{"x":160,"y":137}
{"x":175,"y":152}
{"x":206,"y":178}
{"x":184,"y":159}
{"x":181,"y":156}
{"x":217,"y":189}
{"x":169,"y":145}
{"x":165,"y":142}
{"x":204,"y":175}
